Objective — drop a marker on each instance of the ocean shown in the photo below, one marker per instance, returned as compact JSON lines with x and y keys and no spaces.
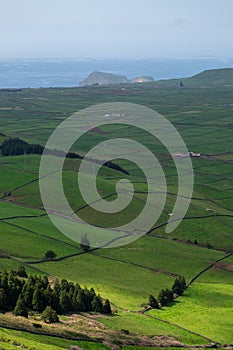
{"x":36,"y":73}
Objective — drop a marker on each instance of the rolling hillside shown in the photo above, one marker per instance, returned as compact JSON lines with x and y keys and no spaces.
{"x":212,"y":78}
{"x":200,"y":249}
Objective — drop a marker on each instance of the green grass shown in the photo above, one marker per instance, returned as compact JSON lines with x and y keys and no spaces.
{"x":125,"y":285}
{"x":142,"y":324}
{"x":206,"y":231}
{"x":8,"y":210}
{"x":164,"y":255}
{"x":148,"y":348}
{"x":216,"y":275}
{"x":205,"y":308}
{"x":22,"y":244}
{"x":10,"y":340}
{"x":43,"y":225}
{"x":201,"y":117}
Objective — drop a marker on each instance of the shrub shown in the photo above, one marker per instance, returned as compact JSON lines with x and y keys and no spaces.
{"x":50,"y":255}
{"x":49,"y":315}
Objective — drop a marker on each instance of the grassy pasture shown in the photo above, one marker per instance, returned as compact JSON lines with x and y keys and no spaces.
{"x":125,"y":275}
{"x":19,"y":243}
{"x":10,"y":340}
{"x":126,"y":285}
{"x":206,"y":231}
{"x":142,"y":324}
{"x":164,"y":255}
{"x":205,"y":308}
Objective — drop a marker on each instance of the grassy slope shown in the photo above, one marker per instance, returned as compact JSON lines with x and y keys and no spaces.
{"x":205,"y":308}
{"x":10,"y":340}
{"x":142,"y":324}
{"x":203,"y":121}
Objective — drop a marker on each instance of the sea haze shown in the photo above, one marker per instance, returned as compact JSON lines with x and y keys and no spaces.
{"x":35,"y":73}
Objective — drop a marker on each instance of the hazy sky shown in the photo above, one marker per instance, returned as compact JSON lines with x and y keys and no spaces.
{"x":115,"y":28}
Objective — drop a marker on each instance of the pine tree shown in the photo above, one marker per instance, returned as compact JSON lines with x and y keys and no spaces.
{"x":65,"y":302}
{"x":49,"y":315}
{"x":85,"y":243}
{"x":21,"y":272}
{"x":49,"y":296}
{"x":179,"y":285}
{"x":77,"y":289}
{"x":153,"y":302}
{"x":45,"y":282}
{"x":38,"y":299}
{"x":64,"y":285}
{"x":70,"y":289}
{"x":3,"y":299}
{"x":165,"y":297}
{"x":89,"y":296}
{"x":14,"y":289}
{"x":97,"y":304}
{"x":81,"y":301}
{"x":27,"y":292}
{"x":20,"y":308}
{"x":4,"y":281}
{"x":107,"y":308}
{"x":56,"y":296}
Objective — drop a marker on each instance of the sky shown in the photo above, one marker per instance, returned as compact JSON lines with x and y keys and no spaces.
{"x":115,"y":28}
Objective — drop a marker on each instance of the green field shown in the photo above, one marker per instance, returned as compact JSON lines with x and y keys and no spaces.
{"x":209,"y":311}
{"x":10,"y":340}
{"x":128,"y":274}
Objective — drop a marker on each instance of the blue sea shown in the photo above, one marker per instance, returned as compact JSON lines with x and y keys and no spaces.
{"x":34,"y":73}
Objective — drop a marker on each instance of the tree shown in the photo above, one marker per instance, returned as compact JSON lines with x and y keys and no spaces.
{"x":107,"y":307}
{"x":56,"y":296}
{"x":20,"y":308}
{"x":27,"y":291}
{"x":88,"y":298}
{"x":14,"y":288}
{"x":21,"y":272}
{"x":179,"y":285}
{"x":97,"y":304}
{"x":50,"y":255}
{"x":4,"y":281}
{"x":153,"y":302}
{"x":3,"y":299}
{"x":38,"y":298}
{"x":49,"y":296}
{"x":64,"y":285}
{"x":85,"y":243}
{"x":44,"y":281}
{"x":181,"y":84}
{"x":49,"y":315}
{"x":65,"y":302}
{"x":12,"y":147}
{"x":77,"y":289}
{"x":165,"y":297}
{"x":81,"y":301}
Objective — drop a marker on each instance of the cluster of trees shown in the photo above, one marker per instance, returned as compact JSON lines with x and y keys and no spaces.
{"x":108,"y":164}
{"x":15,"y":147}
{"x":22,"y":293}
{"x":166,"y":296}
{"x":115,"y":166}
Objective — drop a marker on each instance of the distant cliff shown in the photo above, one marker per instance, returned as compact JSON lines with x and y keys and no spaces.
{"x":143,"y":79}
{"x":100,"y":78}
